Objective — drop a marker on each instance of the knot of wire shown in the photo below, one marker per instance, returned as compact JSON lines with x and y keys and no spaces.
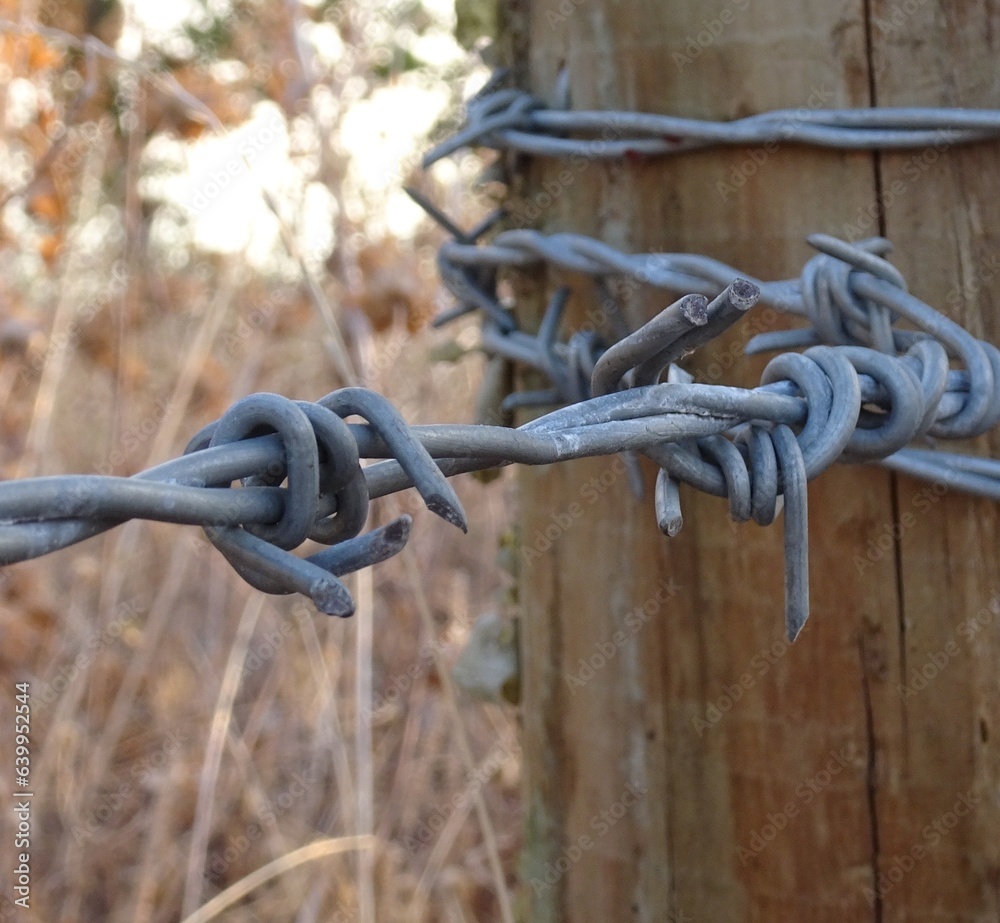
{"x":262,"y":441}
{"x":510,"y":119}
{"x":865,"y":389}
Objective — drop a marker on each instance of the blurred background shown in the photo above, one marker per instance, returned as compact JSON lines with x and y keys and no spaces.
{"x":199,"y":200}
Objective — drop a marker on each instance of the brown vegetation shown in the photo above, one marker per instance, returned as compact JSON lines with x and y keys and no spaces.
{"x":187,"y":730}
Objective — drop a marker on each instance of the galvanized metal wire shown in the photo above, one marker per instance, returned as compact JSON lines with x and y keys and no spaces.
{"x":849,"y":293}
{"x":864,"y":389}
{"x":872,"y":387}
{"x":757,"y":447}
{"x":510,"y":119}
{"x":266,"y":440}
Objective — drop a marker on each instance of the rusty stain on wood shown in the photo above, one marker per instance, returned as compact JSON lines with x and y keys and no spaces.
{"x":688,"y":764}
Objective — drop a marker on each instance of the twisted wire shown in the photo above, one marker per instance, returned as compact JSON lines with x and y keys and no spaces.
{"x":871,"y":389}
{"x":849,"y":293}
{"x":265,"y":440}
{"x":756,"y":447}
{"x":509,"y":119}
{"x":862,"y":390}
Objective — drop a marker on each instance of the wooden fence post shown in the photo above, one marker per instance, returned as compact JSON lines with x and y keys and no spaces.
{"x":682,"y":762}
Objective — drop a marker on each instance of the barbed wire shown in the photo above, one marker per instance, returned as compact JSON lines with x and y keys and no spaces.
{"x":852,"y":298}
{"x":757,"y":447}
{"x":510,"y":119}
{"x":863,"y":390}
{"x":849,"y":293}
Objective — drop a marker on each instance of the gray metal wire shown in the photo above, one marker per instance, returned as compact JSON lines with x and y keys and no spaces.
{"x":757,"y":447}
{"x":849,"y":293}
{"x":864,"y":389}
{"x":265,"y":440}
{"x":510,"y":119}
{"x":856,"y":360}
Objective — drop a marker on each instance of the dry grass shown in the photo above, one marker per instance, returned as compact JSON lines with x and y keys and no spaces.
{"x":201,"y":750}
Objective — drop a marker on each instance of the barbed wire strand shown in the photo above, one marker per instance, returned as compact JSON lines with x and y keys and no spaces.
{"x":852,"y":298}
{"x":510,"y":119}
{"x":753,"y":446}
{"x":849,"y":293}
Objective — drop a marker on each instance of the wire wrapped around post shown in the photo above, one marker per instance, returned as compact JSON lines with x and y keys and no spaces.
{"x":757,"y":447}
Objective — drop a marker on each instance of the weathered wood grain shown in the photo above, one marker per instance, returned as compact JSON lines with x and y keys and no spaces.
{"x":754,"y":781}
